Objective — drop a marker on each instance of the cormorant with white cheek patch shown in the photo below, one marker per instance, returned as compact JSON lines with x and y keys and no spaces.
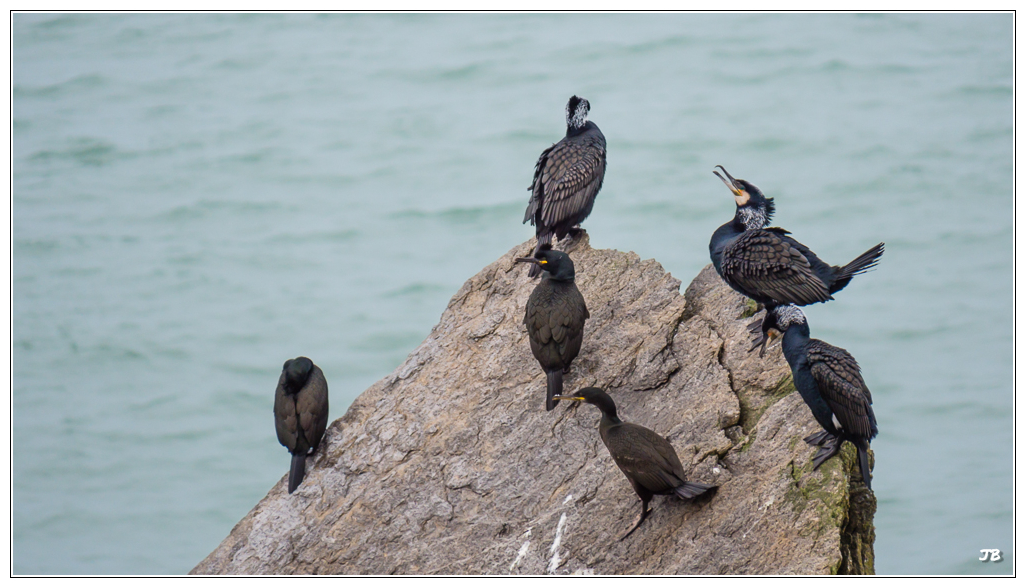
{"x":830,"y":382}
{"x":767,"y":265}
{"x":567,"y":177}
{"x":645,"y":457}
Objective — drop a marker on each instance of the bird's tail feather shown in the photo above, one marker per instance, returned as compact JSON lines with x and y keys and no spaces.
{"x":690,"y":490}
{"x":864,"y":466}
{"x":297,"y":471}
{"x":862,"y":263}
{"x":554,"y":387}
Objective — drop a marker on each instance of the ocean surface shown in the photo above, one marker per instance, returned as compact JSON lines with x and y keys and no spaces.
{"x":197,"y":198}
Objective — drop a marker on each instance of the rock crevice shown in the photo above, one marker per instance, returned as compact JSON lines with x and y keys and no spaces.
{"x":451,"y":465}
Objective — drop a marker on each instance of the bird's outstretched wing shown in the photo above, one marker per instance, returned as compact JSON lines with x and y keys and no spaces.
{"x":765,"y":264}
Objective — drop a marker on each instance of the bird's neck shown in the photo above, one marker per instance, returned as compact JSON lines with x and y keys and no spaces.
{"x":795,"y":344}
{"x":750,"y":218}
{"x":572,"y":130}
{"x":560,"y":279}
{"x":609,"y":419}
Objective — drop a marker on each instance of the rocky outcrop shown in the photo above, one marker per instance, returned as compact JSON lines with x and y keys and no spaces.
{"x":450,"y":465}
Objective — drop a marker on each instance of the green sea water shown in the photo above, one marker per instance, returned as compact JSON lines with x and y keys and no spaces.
{"x":197,"y":198}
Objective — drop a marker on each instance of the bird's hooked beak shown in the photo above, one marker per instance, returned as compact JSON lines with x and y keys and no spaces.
{"x":579,"y":398}
{"x":540,"y":262}
{"x":740,"y":195}
{"x":767,"y":339}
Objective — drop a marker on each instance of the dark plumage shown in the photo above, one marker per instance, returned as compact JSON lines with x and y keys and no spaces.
{"x":647,"y":459}
{"x":555,"y":318}
{"x":830,"y":382}
{"x":567,"y":177}
{"x":300,"y":412}
{"x":766,"y":264}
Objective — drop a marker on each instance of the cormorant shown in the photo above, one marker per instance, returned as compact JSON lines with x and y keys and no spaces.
{"x":831,"y":384}
{"x":767,"y":265}
{"x":555,"y":317}
{"x":300,"y":412}
{"x":567,"y":177}
{"x":647,"y":459}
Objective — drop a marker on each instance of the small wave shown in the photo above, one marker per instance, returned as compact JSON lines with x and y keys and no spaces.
{"x":992,"y":90}
{"x":73,"y":86}
{"x":86,"y":151}
{"x":414,"y":289}
{"x":463,"y":215}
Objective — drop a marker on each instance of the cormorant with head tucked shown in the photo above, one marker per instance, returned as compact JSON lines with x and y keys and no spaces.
{"x":567,"y":177}
{"x":830,"y":382}
{"x":300,"y":413}
{"x":647,"y":459}
{"x":767,"y":265}
{"x":555,"y":318}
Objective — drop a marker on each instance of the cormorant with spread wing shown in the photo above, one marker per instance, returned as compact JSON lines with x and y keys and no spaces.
{"x":769,"y":266}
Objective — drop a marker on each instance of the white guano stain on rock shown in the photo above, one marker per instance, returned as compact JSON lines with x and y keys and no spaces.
{"x":523,"y":551}
{"x":554,"y":550}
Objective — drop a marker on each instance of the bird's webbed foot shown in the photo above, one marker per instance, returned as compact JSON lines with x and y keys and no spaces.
{"x":759,"y":339}
{"x":829,"y":449}
{"x":818,"y":439}
{"x":637,"y":522}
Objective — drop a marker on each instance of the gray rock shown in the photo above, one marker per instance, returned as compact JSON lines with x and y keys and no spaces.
{"x":450,"y":465}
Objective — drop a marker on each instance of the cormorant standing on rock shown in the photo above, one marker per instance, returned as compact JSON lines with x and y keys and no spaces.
{"x":555,"y":317}
{"x":647,"y":459}
{"x":831,"y":384}
{"x":567,"y":177}
{"x":767,"y":265}
{"x":300,"y":412}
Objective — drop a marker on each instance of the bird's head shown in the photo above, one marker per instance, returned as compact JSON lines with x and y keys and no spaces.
{"x":557,"y":265}
{"x":297,"y":372}
{"x":778,"y":320}
{"x":576,"y":113}
{"x":754,"y":210}
{"x":594,"y":396}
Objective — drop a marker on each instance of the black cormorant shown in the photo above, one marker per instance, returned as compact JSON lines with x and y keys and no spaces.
{"x":567,"y":177}
{"x":767,"y":265}
{"x":555,"y":318}
{"x":831,"y":384}
{"x":300,"y":412}
{"x":647,"y":459}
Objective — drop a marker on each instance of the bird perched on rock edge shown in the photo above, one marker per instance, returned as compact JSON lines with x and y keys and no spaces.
{"x":766,"y":264}
{"x":554,"y":318}
{"x":830,"y":382}
{"x":567,"y":177}
{"x":646,"y":458}
{"x":300,"y":413}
